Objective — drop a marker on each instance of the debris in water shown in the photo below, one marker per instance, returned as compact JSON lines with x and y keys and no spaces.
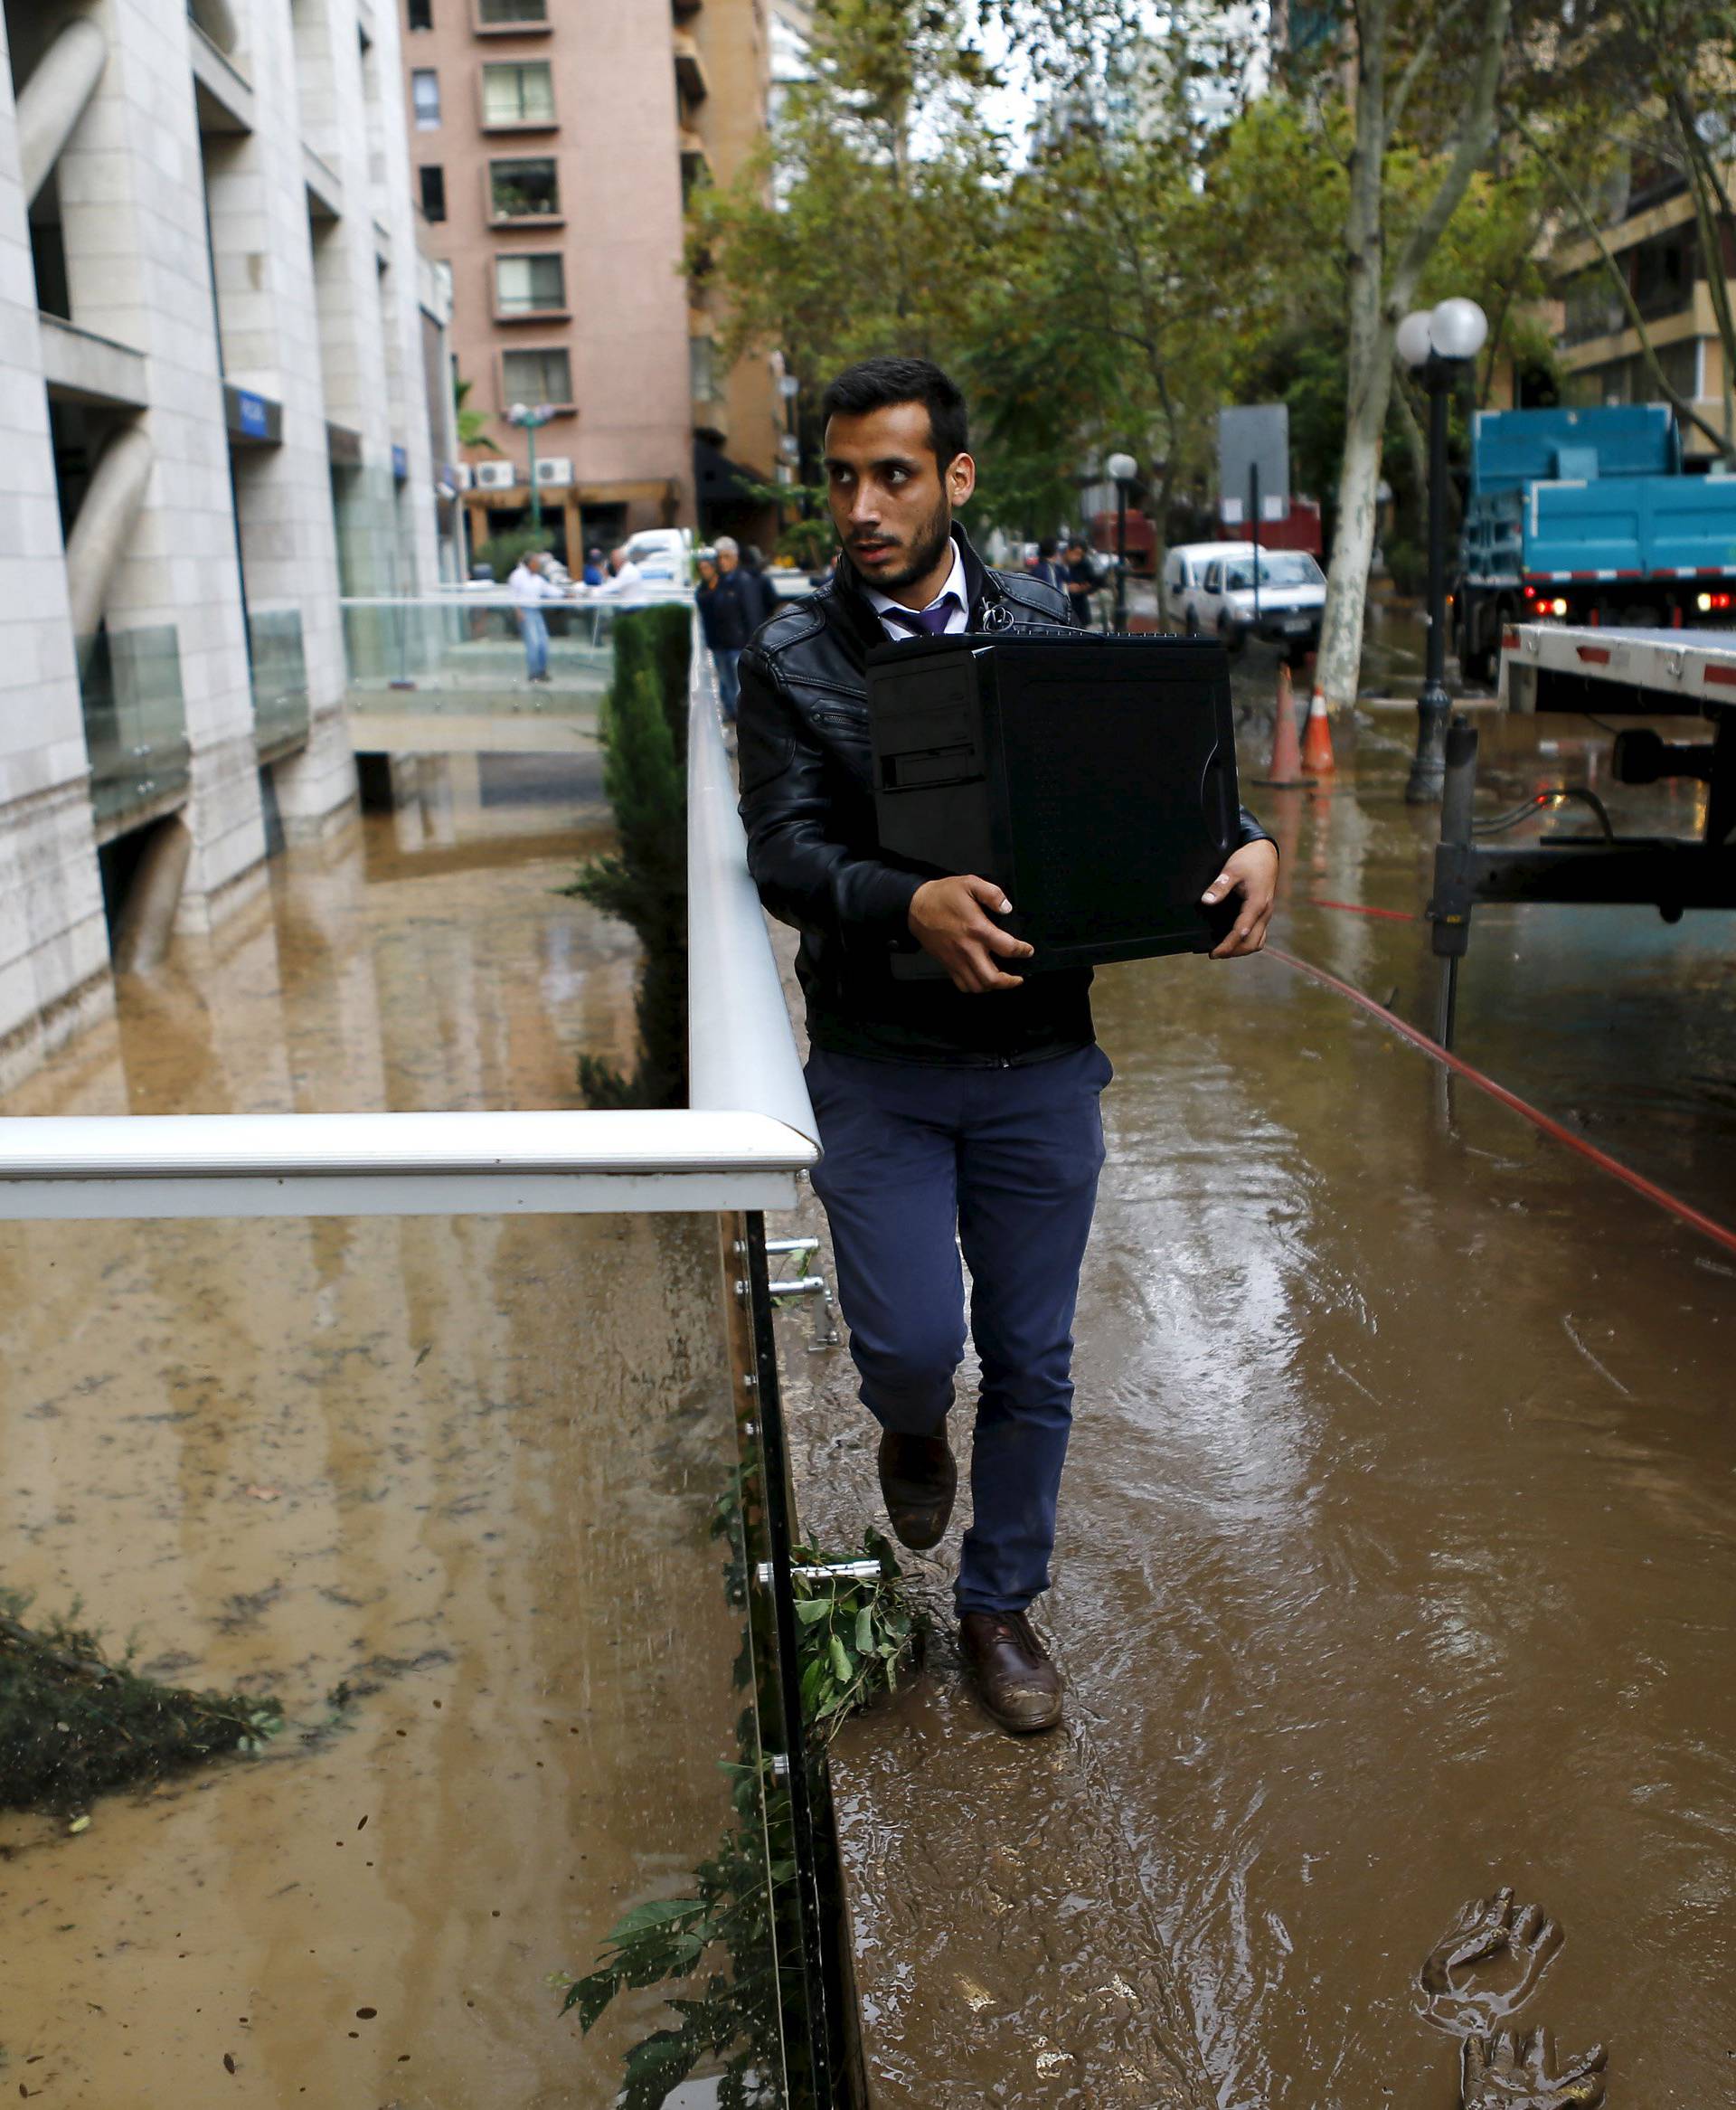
{"x":73,"y":1725}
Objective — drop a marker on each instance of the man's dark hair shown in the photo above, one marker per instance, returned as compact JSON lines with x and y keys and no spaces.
{"x":1046,"y":547}
{"x":875,"y":385}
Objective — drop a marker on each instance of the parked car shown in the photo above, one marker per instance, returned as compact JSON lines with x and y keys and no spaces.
{"x":1286,"y":611}
{"x":1184,"y":582}
{"x":664,"y":555}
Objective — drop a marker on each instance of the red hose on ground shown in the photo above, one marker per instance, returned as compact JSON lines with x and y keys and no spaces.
{"x":1664,"y":1199}
{"x":1357,"y":908}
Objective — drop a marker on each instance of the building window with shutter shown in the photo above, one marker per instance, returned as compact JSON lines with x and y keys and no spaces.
{"x":533,"y":285}
{"x":424,"y":99}
{"x":421,"y":14}
{"x":536,"y":377}
{"x":518,"y":94}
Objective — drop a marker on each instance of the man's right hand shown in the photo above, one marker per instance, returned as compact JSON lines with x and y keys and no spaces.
{"x":947,"y":920}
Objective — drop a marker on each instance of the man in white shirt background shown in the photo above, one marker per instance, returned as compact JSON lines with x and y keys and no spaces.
{"x":530,"y":587}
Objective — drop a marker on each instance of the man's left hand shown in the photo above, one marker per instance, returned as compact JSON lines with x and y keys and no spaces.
{"x":1253,"y":873}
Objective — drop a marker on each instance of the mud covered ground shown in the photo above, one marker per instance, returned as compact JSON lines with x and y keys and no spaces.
{"x":443,"y":1485}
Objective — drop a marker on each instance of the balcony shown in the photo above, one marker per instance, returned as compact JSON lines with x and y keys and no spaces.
{"x":690,"y":69}
{"x":135,"y":726}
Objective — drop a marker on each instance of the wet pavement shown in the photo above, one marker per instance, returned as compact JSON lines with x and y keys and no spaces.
{"x":1397,"y":1541}
{"x":1397,"y":1555}
{"x":442,"y":1485}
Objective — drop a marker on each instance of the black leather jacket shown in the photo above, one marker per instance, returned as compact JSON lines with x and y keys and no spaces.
{"x":808,"y":805}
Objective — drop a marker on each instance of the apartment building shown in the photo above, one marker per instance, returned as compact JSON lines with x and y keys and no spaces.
{"x":214,"y":330}
{"x":1652,"y":233}
{"x":556,"y":143}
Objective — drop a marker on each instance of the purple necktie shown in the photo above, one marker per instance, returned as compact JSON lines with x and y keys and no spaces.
{"x":924,"y":623}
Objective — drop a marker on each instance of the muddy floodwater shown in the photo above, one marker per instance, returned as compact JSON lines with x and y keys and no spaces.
{"x":443,"y":1486}
{"x":1397,"y":1543}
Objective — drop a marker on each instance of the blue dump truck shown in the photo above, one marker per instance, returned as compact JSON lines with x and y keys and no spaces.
{"x":1587,"y":517}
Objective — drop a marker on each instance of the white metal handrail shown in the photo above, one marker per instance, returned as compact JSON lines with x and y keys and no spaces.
{"x":746,"y":1133}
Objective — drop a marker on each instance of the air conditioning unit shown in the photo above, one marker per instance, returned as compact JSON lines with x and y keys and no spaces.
{"x":461,"y":475}
{"x":555,"y":468}
{"x":496,"y":476}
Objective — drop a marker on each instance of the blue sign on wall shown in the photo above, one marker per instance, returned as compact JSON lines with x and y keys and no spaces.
{"x":400,"y":463}
{"x":253,"y":414}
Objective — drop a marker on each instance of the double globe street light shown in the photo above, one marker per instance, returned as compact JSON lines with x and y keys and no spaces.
{"x":1437,"y":344}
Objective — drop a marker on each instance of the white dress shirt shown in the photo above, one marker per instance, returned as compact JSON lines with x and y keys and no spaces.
{"x":958,"y":616}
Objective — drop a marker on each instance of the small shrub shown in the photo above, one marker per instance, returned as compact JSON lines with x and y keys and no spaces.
{"x":643,"y":879}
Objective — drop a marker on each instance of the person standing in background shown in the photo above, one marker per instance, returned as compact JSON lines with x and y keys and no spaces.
{"x":530,"y":587}
{"x":730,"y":611}
{"x":1049,"y":567}
{"x":711,"y":627}
{"x":756,"y":589}
{"x":1081,"y":583}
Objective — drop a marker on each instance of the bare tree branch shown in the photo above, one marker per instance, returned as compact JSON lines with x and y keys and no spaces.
{"x":1474,"y":139}
{"x":1420,"y":61}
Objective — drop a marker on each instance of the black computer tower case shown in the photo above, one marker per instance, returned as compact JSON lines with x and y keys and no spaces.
{"x":1094,"y":778}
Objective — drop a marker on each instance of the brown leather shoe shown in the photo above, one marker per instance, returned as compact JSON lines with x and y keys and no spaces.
{"x":918,"y":1478}
{"x":1014,"y":1676}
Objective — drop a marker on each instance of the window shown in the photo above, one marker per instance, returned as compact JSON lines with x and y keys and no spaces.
{"x":1214,"y":578}
{"x":518,"y":95}
{"x":425,"y":97}
{"x":523,"y":190}
{"x":433,"y":181}
{"x":513,"y":14}
{"x":536,"y":377}
{"x":529,"y":285}
{"x":421,"y":14}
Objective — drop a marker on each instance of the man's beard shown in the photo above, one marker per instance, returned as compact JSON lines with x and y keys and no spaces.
{"x":925,"y":552}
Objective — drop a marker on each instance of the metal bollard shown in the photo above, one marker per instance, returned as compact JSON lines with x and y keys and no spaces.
{"x":1450,"y":906}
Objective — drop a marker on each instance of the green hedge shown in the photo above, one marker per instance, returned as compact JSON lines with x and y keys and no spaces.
{"x":644,"y":881}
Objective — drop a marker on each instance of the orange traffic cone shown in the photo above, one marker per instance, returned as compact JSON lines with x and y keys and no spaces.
{"x":1286,"y":773}
{"x":1316,"y":739}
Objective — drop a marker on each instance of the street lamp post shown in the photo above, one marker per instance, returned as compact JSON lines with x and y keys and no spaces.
{"x":528,"y":418}
{"x":1123,"y":468}
{"x":1437,"y":344}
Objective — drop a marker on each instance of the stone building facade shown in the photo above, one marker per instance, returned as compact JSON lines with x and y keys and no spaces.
{"x":213,"y":418}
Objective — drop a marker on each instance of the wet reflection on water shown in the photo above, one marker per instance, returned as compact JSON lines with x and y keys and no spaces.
{"x":444,"y":1486}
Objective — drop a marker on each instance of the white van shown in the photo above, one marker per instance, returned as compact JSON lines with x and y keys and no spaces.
{"x":1184,"y":570}
{"x":664,"y":556}
{"x":1221,"y":597}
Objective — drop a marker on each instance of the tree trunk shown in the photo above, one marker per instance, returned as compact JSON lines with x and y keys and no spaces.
{"x":1339,"y":665}
{"x":1376,"y":305}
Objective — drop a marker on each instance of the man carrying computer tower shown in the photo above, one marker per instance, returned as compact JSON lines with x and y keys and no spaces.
{"x":955,"y":1071}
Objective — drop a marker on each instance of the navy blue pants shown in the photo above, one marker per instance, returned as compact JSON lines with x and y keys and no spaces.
{"x":920,"y":1161}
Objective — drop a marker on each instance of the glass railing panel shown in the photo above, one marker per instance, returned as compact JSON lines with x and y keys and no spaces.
{"x":135,"y":722}
{"x":280,"y":704}
{"x":443,"y":1518}
{"x":464,"y":653}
